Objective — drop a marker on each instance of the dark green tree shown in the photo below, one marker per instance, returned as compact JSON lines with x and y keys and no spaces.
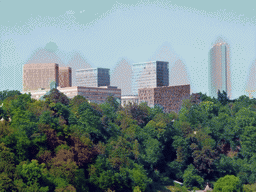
{"x":6,"y":93}
{"x":56,"y":96}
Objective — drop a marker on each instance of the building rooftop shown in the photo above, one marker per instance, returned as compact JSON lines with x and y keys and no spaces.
{"x":149,"y":62}
{"x":91,"y":69}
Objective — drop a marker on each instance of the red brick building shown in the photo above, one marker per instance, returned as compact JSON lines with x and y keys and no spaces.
{"x":169,"y":97}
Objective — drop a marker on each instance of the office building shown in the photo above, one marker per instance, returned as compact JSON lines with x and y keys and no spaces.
{"x":65,"y":77}
{"x":93,"y":94}
{"x":39,"y":75}
{"x":149,"y":74}
{"x":219,"y":74}
{"x":93,"y":77}
{"x":170,"y":97}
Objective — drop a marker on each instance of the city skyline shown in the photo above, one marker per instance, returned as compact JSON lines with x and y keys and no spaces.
{"x":117,"y":34}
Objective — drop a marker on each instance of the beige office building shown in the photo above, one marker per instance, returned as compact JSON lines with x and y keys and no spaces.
{"x":65,"y":77}
{"x":39,"y":75}
{"x":93,"y":94}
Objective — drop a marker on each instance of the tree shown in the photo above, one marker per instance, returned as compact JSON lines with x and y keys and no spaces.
{"x":6,"y":93}
{"x":7,"y":168}
{"x":222,"y":97}
{"x":203,"y":153}
{"x":191,"y":178}
{"x":248,"y":140}
{"x":34,"y":176}
{"x":89,"y":122}
{"x":56,"y":96}
{"x":229,"y":183}
{"x":113,"y":102}
{"x":140,"y":113}
{"x":75,"y":103}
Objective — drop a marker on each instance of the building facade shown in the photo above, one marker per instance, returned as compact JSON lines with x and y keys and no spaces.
{"x":65,"y":77}
{"x":126,"y":99}
{"x":93,"y":94}
{"x":93,"y":77}
{"x":40,"y":75}
{"x":219,"y":78}
{"x":149,"y":74}
{"x":170,"y":97}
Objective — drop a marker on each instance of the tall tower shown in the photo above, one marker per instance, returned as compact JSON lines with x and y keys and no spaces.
{"x":219,"y":71}
{"x":149,"y":75}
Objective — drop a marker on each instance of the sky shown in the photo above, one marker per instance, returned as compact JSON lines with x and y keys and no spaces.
{"x":115,"y":34}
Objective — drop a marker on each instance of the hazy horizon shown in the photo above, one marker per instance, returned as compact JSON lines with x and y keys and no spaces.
{"x":116,"y":34}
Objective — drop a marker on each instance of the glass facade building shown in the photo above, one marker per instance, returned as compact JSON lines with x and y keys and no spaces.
{"x":149,"y":74}
{"x":93,"y":77}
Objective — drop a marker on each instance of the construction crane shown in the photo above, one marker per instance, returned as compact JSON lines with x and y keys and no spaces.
{"x":250,"y":93}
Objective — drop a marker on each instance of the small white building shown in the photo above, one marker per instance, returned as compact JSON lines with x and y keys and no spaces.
{"x":125,"y":99}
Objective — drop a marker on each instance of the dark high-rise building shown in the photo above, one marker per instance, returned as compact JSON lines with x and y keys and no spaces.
{"x":149,"y":74}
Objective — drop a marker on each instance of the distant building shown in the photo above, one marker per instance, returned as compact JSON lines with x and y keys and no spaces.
{"x":40,"y":75}
{"x":219,"y":77}
{"x":93,"y":77}
{"x":126,"y":99}
{"x":170,"y":97}
{"x":149,"y":74}
{"x":93,"y":94}
{"x":65,"y":77}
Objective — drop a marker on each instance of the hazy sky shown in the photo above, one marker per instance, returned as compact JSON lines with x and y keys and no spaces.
{"x":104,"y":32}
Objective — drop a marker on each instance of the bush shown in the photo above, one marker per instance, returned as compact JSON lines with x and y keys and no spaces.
{"x":229,"y":183}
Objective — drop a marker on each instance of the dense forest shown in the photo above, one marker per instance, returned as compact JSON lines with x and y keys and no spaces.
{"x":61,"y":144}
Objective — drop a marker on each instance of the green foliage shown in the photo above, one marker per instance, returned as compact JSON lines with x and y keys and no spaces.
{"x":47,"y":118}
{"x":81,"y":183}
{"x":222,"y":97}
{"x":249,"y":188}
{"x":6,"y":93}
{"x":56,"y":96}
{"x":112,"y":101}
{"x":191,"y":178}
{"x":83,"y":146}
{"x":139,"y":177}
{"x":34,"y":177}
{"x":229,"y":183}
{"x":61,"y":147}
{"x":154,"y":111}
{"x":89,"y":122}
{"x":140,"y":113}
{"x":60,"y":110}
{"x":248,"y":140}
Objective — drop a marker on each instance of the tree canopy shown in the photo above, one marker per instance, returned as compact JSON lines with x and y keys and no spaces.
{"x":62,"y":144}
